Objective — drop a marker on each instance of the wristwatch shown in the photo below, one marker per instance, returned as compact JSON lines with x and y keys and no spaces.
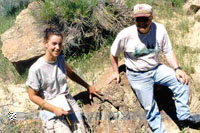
{"x":177,"y":68}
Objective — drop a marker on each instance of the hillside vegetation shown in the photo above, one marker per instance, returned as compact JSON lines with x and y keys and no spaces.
{"x":87,"y":25}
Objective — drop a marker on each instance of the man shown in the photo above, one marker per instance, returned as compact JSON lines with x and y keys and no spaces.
{"x":142,"y":44}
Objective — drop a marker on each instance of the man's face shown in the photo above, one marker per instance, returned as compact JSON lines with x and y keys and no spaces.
{"x":143,"y":24}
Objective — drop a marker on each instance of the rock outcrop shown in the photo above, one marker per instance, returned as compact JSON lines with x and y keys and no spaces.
{"x":192,"y":6}
{"x":197,"y":16}
{"x":24,"y":40}
{"x":119,"y":111}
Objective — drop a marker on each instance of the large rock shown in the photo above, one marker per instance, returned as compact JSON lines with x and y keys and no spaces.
{"x":197,"y":16}
{"x":118,"y":110}
{"x":24,"y":40}
{"x":192,"y":6}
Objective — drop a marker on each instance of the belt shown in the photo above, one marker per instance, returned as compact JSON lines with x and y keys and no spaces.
{"x":136,"y":71}
{"x":140,"y":71}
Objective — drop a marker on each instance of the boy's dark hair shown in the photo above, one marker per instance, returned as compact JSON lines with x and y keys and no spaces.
{"x":51,"y":31}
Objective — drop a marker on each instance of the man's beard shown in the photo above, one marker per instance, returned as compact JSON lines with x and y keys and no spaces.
{"x":142,"y":25}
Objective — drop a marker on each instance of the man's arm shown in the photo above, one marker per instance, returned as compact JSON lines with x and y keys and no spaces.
{"x":45,"y":105}
{"x":115,"y":75}
{"x":180,"y":74}
{"x":73,"y":76}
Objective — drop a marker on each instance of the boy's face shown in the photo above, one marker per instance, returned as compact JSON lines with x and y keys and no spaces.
{"x":54,"y":46}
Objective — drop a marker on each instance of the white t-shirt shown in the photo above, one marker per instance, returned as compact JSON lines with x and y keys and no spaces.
{"x":141,"y":50}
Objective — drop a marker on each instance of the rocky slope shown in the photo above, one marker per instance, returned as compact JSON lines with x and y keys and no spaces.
{"x":119,"y":110}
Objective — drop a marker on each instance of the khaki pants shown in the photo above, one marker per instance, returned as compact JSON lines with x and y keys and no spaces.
{"x":60,"y":124}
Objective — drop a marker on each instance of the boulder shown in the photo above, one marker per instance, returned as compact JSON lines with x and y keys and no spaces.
{"x":118,"y":110}
{"x":24,"y":40}
{"x":192,"y":6}
{"x":197,"y":16}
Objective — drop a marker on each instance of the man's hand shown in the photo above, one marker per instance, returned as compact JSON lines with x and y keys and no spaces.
{"x":182,"y":76}
{"x":92,"y":91}
{"x":114,"y":76}
{"x":59,"y":111}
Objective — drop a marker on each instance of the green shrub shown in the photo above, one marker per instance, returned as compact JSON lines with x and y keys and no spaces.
{"x":178,"y":3}
{"x":10,"y":7}
{"x":83,"y":30}
{"x":67,"y":15}
{"x":6,"y":23}
{"x":68,"y":10}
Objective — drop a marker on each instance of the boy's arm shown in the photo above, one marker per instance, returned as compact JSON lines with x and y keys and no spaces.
{"x":73,"y":76}
{"x":45,"y":105}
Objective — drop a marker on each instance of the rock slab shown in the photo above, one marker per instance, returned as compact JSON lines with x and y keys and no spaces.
{"x":192,"y":6}
{"x":23,"y":41}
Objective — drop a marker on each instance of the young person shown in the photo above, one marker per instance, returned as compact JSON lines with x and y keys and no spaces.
{"x":48,"y":88}
{"x":142,"y":43}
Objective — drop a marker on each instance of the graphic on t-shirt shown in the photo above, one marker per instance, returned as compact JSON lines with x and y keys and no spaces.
{"x":142,"y":50}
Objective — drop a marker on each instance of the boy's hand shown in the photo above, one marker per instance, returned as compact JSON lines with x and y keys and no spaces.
{"x":59,"y":111}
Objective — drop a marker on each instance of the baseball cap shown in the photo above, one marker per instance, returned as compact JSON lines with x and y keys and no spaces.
{"x":142,"y":10}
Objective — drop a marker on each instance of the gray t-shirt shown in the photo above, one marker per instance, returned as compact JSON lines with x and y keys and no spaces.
{"x":49,"y":80}
{"x":141,"y":50}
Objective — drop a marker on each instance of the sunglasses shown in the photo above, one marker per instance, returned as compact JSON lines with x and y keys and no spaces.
{"x":142,"y":19}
